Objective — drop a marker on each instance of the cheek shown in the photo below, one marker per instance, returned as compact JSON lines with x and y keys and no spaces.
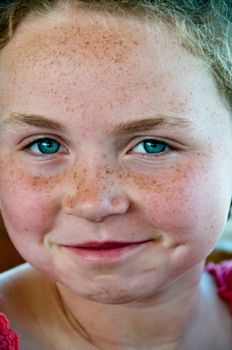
{"x":187,"y":204}
{"x":28,"y":204}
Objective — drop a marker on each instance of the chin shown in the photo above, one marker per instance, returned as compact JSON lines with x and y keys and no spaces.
{"x":111,"y":299}
{"x":106,"y":294}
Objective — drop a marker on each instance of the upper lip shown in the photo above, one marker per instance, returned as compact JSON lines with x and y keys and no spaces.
{"x":105,"y":244}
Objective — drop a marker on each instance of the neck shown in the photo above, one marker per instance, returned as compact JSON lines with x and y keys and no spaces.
{"x":162,"y":321}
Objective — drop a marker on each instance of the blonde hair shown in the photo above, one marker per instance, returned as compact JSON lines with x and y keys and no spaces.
{"x":204,"y":27}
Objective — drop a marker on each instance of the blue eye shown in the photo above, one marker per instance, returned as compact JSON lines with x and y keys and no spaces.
{"x":150,"y":146}
{"x":45,"y":146}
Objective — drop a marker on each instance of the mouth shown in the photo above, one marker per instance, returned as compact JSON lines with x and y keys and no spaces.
{"x":105,"y":245}
{"x":107,"y":252}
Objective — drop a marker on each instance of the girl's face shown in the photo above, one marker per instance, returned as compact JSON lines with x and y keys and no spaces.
{"x":111,"y":131}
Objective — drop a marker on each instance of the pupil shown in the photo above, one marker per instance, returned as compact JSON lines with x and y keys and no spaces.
{"x":48,"y":146}
{"x":154,"y":147}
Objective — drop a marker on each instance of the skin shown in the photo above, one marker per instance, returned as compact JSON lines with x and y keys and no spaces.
{"x":90,"y":78}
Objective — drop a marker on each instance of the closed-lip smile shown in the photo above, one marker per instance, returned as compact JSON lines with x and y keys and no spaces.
{"x":105,"y":244}
{"x":106,"y":252}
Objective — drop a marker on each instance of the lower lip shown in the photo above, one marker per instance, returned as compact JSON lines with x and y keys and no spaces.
{"x":104,"y":255}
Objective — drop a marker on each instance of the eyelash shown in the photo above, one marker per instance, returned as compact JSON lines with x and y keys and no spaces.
{"x":155,"y":142}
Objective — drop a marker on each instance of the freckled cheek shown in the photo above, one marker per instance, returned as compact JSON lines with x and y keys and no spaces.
{"x":185,"y":208}
{"x":173,"y":201}
{"x":28,"y":205}
{"x":167,"y":204}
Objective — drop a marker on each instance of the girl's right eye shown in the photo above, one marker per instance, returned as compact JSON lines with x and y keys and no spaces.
{"x":44,"y":146}
{"x":153,"y":148}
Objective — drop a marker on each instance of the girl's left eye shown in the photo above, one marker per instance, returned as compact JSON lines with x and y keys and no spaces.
{"x":151,"y":146}
{"x":44,"y":146}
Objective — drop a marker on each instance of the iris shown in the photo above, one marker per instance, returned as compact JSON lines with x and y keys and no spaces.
{"x":48,"y":146}
{"x":152,"y":146}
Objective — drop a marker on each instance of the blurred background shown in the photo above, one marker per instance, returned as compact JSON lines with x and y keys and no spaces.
{"x":8,"y":254}
{"x":10,"y":258}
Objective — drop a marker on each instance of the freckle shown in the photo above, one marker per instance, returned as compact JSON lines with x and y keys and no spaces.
{"x":121,"y":290}
{"x":75,"y":175}
{"x":154,"y":182}
{"x":69,"y":202}
{"x":108,"y":170}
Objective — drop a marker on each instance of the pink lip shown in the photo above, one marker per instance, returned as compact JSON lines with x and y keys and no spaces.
{"x":104,"y":245}
{"x":106,"y":252}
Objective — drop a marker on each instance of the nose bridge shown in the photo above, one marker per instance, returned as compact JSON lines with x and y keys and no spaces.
{"x":93,"y":181}
{"x":96,"y":192}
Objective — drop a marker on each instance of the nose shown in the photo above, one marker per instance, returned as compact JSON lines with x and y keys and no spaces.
{"x":94,"y":198}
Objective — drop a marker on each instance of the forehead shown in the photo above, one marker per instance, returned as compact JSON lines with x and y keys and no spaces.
{"x":96,"y":38}
{"x":93,"y":31}
{"x":77,"y":56}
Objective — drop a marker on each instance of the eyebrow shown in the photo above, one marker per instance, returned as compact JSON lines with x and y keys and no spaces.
{"x":38,"y":121}
{"x":151,"y":123}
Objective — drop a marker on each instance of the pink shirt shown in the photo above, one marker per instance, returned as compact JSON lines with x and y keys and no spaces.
{"x":223,"y":276}
{"x":9,"y":340}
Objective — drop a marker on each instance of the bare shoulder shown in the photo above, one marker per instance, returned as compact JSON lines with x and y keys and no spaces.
{"x":11,"y":283}
{"x":23,"y":291}
{"x":24,"y":298}
{"x":17,"y":275}
{"x":14,"y":281}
